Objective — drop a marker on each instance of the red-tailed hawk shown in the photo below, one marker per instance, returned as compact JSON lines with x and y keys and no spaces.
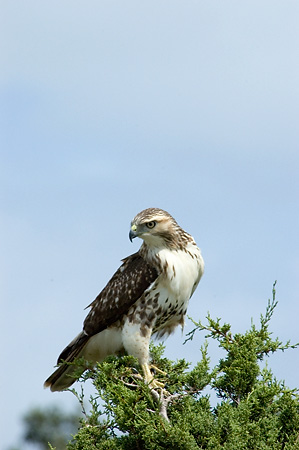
{"x":148,"y":294}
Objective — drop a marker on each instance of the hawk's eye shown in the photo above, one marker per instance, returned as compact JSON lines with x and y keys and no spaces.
{"x":151,"y":224}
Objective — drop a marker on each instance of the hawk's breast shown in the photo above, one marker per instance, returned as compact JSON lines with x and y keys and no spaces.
{"x":181,"y":272}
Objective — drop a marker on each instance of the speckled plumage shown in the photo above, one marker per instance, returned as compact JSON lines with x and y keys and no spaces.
{"x":148,"y":294}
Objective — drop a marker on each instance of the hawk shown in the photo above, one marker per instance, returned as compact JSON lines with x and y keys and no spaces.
{"x":148,"y":294}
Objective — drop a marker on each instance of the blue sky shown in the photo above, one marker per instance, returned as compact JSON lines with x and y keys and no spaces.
{"x":108,"y":108}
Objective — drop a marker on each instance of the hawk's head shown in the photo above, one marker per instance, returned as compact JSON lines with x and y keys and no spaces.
{"x":157,"y":228}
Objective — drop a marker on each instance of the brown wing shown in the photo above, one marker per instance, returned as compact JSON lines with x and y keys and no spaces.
{"x":133,"y":277}
{"x":128,"y":283}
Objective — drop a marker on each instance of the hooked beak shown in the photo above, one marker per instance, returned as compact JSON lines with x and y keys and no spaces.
{"x":133,"y":233}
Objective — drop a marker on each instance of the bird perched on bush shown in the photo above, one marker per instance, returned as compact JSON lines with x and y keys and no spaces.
{"x":148,"y":294}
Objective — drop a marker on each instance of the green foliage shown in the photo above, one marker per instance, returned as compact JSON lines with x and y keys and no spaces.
{"x":255,"y":410}
{"x":49,"y":425}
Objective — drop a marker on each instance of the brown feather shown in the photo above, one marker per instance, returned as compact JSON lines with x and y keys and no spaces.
{"x":62,"y":378}
{"x":130,"y":281}
{"x":125,"y":287}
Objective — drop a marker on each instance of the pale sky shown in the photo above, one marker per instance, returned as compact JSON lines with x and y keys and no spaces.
{"x":110,"y":107}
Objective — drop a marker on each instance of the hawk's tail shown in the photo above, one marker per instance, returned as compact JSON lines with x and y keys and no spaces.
{"x":64,"y":377}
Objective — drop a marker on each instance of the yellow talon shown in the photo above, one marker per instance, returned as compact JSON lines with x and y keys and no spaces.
{"x":151,"y":366}
{"x":152,"y":382}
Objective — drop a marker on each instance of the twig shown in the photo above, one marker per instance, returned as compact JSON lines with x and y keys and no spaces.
{"x":165,"y":401}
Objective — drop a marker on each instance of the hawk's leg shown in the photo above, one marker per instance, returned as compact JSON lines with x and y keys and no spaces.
{"x":136,"y":338}
{"x":148,"y":376}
